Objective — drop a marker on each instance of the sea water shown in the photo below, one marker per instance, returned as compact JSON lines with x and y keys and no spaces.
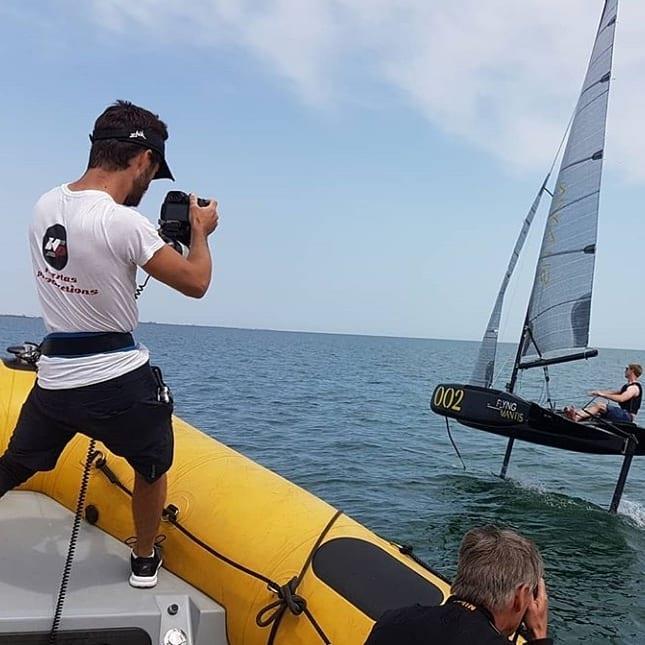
{"x":348,"y":418}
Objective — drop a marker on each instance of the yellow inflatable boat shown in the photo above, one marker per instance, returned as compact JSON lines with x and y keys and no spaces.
{"x":286,"y":567}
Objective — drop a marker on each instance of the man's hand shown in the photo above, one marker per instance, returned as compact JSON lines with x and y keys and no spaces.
{"x":203,"y":219}
{"x":190,"y":275}
{"x":537,"y":614}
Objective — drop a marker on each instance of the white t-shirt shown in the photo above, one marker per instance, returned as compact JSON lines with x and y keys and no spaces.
{"x":85,"y":249}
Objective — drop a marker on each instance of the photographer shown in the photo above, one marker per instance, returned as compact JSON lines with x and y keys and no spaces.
{"x":499,"y":585}
{"x":86,"y":245}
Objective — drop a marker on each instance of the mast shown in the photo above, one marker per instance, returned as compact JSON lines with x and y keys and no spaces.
{"x":518,"y":357}
{"x":484,"y":367}
{"x":559,"y":310}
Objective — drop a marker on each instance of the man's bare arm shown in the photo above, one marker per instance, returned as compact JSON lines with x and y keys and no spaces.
{"x":615,"y":395}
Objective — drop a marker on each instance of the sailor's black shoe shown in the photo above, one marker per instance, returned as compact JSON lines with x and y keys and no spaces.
{"x":144,"y":570}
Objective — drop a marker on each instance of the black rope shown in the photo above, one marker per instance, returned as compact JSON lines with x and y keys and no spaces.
{"x":91,"y":454}
{"x":170,"y":515}
{"x":408,"y":550}
{"x":217,"y":554}
{"x":288,"y":599}
{"x":584,"y":407}
{"x":454,"y":445}
{"x":101,"y":464}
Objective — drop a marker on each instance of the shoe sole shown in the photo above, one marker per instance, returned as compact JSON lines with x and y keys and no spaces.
{"x":144,"y":582}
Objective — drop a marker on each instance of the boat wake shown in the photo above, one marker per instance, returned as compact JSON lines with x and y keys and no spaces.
{"x":521,"y":494}
{"x":538,"y":489}
{"x":634,"y":512}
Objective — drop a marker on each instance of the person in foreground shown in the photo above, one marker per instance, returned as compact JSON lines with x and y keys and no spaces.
{"x":86,"y":243}
{"x":629,"y":399}
{"x":499,"y":585}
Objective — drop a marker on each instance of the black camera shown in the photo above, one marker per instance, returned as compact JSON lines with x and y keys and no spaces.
{"x":174,"y":222}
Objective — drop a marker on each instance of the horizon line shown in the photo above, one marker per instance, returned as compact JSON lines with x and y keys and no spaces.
{"x":305,"y":331}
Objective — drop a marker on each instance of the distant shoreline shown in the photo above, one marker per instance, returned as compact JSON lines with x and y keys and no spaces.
{"x":266,"y":329}
{"x":319,"y":333}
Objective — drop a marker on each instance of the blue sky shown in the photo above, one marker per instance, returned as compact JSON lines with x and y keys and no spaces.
{"x":373,"y":159}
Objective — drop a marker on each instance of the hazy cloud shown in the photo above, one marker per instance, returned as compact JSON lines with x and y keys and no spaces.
{"x":501,"y":74}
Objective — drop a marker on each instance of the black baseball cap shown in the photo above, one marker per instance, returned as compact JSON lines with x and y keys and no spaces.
{"x":143,"y":137}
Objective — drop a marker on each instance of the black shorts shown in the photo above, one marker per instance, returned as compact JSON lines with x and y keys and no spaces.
{"x":123,"y":413}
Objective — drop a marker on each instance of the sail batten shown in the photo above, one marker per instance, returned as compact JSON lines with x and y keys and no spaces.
{"x":575,"y":201}
{"x":594,"y":99}
{"x":559,"y":310}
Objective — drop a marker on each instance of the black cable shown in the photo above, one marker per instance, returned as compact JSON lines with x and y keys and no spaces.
{"x":454,"y":445}
{"x":287,"y":598}
{"x":67,"y":569}
{"x":140,"y":287}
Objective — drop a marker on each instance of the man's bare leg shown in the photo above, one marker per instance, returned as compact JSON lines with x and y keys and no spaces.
{"x":585,"y":413}
{"x":147,"y":504}
{"x":592,"y":411}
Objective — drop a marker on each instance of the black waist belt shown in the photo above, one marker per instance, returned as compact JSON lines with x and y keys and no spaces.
{"x":86,"y":344}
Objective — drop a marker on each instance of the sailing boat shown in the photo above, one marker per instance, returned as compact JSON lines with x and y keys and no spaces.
{"x":556,"y":326}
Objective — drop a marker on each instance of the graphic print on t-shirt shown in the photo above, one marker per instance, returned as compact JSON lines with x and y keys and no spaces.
{"x":55,"y":246}
{"x":91,"y":287}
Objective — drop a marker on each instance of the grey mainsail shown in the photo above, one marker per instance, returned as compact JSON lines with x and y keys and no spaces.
{"x":559,"y":310}
{"x":485,"y":365}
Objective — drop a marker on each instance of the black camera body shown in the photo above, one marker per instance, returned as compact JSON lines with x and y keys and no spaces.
{"x":174,"y":221}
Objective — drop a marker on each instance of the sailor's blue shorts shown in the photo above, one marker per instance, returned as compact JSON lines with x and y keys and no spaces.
{"x":614,"y":413}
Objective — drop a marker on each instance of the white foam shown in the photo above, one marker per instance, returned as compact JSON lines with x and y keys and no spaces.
{"x":550,"y":497}
{"x":634,"y":511}
{"x":531,"y":484}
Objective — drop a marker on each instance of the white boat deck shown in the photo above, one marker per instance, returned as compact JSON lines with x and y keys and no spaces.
{"x":34,"y":538}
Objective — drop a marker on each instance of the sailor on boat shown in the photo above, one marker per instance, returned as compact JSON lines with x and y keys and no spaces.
{"x":628,"y":398}
{"x":86,"y":244}
{"x":557,"y":321}
{"x":499,"y":585}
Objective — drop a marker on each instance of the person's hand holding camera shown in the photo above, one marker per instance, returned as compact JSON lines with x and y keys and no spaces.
{"x":203,"y":219}
{"x":186,"y":220}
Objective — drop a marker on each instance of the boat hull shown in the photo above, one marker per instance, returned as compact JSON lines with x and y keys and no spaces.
{"x":508,"y":415}
{"x":257,"y":519}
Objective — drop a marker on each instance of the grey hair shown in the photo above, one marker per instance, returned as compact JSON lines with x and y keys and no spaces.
{"x":493,"y":563}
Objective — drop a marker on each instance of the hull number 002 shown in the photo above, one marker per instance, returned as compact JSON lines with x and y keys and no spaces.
{"x":448,"y":398}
